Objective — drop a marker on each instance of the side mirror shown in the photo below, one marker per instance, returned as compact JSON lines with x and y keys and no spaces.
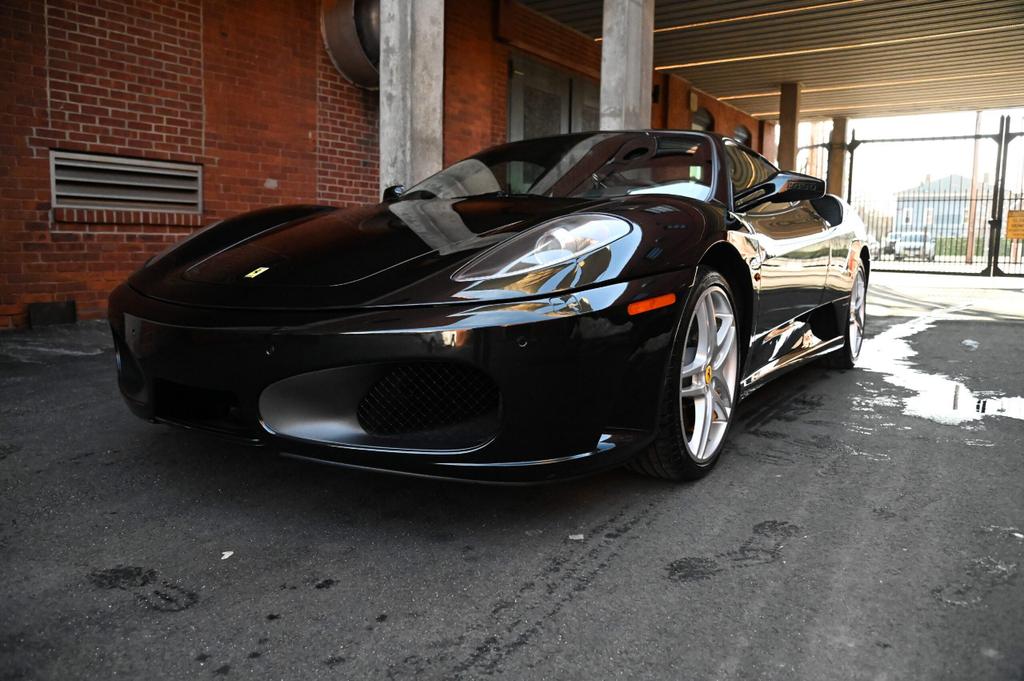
{"x":782,"y":187}
{"x":393,"y":192}
{"x":830,"y":208}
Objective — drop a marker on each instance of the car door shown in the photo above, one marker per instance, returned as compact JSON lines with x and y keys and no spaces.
{"x":843,"y":231}
{"x":792,"y":242}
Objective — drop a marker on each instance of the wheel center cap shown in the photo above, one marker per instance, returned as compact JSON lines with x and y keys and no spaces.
{"x":707,"y":374}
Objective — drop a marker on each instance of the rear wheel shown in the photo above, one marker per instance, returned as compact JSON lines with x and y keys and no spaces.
{"x":701,"y":387}
{"x":846,"y":357}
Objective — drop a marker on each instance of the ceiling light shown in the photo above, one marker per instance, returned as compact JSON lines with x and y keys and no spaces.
{"x":837,"y":48}
{"x":750,"y":17}
{"x":883,"y":83}
{"x":847,"y":107}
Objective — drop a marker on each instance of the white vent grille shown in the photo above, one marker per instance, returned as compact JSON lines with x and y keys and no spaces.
{"x":119,"y":183}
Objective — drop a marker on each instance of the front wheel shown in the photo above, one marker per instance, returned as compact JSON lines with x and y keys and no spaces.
{"x":846,"y":357}
{"x":701,"y":387}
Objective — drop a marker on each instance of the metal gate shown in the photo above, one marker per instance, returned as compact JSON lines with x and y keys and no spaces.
{"x":952,"y":223}
{"x":812,"y":159}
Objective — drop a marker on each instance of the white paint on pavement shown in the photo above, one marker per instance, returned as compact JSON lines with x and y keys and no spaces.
{"x":936,"y":397}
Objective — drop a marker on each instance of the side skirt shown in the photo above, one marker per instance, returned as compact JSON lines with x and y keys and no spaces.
{"x":787,"y":363}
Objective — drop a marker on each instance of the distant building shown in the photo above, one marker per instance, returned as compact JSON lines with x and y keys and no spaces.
{"x":942,"y":207}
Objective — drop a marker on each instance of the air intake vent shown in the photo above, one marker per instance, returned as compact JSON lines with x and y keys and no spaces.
{"x":425,"y":397}
{"x":119,"y":183}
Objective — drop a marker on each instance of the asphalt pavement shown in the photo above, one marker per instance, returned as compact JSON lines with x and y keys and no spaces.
{"x":845,"y":534}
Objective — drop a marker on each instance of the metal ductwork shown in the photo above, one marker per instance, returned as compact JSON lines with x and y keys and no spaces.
{"x":351,"y":30}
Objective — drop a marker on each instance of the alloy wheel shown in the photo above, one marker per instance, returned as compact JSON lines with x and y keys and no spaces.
{"x":857,"y":315}
{"x":707,"y":379}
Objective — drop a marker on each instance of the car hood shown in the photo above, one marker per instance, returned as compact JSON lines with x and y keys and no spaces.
{"x":396,"y":253}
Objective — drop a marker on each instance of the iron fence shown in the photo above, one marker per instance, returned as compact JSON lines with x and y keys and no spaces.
{"x":812,"y":159}
{"x":948,"y":224}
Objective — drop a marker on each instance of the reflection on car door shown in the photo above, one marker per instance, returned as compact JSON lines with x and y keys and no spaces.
{"x":794,"y":247}
{"x":843,"y":266}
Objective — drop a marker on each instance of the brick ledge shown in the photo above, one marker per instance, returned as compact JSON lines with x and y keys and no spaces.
{"x":125,"y":217}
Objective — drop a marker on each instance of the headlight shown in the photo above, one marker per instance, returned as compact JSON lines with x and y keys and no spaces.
{"x":551,"y":243}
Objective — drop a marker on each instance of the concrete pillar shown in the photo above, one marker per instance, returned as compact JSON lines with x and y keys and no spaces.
{"x":627,"y":63}
{"x":769,"y":148}
{"x":972,"y":203}
{"x":411,"y":90}
{"x":789,"y":122}
{"x":836,"y":182}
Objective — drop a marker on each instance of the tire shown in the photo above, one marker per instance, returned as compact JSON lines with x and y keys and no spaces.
{"x":695,"y":415}
{"x":853,"y":334}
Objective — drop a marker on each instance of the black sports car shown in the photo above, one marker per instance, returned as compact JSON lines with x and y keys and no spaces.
{"x":543,"y":309}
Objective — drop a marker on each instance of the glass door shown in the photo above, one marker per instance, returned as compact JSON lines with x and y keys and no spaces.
{"x":543,"y":100}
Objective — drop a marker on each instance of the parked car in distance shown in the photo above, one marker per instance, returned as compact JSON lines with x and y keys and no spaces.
{"x":916,"y":245}
{"x":890,"y":244}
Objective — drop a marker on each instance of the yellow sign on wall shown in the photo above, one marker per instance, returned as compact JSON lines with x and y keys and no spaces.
{"x":1015,"y":224}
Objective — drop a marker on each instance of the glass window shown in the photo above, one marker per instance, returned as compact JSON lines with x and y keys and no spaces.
{"x":542,"y":112}
{"x":702,"y":120}
{"x":586,"y":105}
{"x":595,"y":165}
{"x":660,"y":165}
{"x":742,"y":135}
{"x":746,"y":169}
{"x":473,"y":177}
{"x":543,"y":100}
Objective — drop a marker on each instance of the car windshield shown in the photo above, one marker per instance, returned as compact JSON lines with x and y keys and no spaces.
{"x":592,"y":165}
{"x":914,"y":237}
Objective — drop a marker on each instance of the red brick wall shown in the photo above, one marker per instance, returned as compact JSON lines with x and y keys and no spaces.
{"x":260,"y":96}
{"x":727,"y":118}
{"x":24,"y":187}
{"x":769,"y":145}
{"x":245,"y":89}
{"x":659,"y":104}
{"x":110,"y":78}
{"x":348,"y":155}
{"x":479,"y":40}
{"x":475,"y":80}
{"x":543,"y":37}
{"x":674,"y":112}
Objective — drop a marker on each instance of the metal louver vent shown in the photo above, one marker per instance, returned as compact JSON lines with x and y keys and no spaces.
{"x":120,"y":183}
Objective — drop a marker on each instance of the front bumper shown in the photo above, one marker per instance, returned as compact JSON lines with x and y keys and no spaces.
{"x":579,"y":379}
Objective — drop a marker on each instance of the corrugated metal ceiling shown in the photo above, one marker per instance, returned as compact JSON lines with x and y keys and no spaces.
{"x":853,"y":57}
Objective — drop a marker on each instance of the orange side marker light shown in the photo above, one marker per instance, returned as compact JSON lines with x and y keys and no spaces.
{"x":642,"y":306}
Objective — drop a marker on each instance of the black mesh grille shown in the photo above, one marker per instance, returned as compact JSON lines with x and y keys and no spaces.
{"x":427,"y":396}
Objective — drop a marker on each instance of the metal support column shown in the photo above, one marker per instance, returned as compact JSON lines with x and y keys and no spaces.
{"x":627,"y":64}
{"x":789,"y":124}
{"x":411,"y":87}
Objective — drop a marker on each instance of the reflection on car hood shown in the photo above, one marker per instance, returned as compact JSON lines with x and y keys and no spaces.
{"x":341,"y":257}
{"x":345,"y":246}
